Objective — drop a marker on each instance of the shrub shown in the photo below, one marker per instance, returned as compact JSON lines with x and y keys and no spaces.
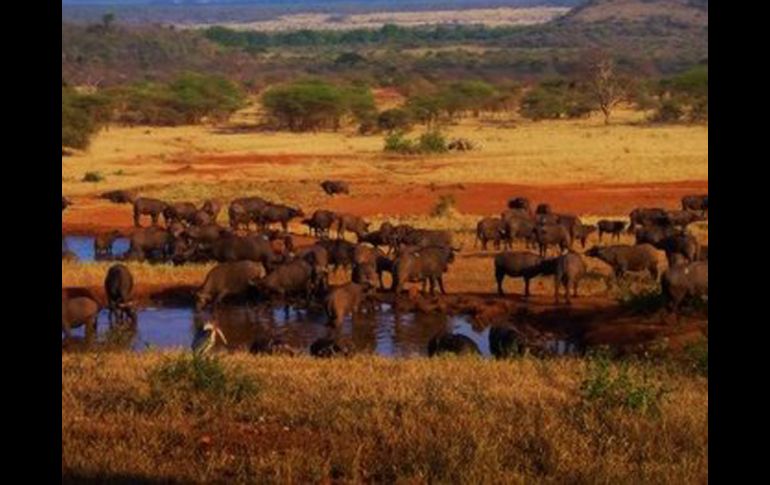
{"x":697,"y":357}
{"x":669,"y":111}
{"x":93,"y":177}
{"x":394,"y":119}
{"x":192,"y":378}
{"x":189,"y":99}
{"x":313,"y":105}
{"x":432,"y":142}
{"x":398,"y":143}
{"x":617,"y":386}
{"x":542,"y":103}
{"x":82,"y":117}
{"x":444,"y":207}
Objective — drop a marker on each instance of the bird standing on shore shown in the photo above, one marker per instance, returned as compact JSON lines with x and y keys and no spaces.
{"x":206,"y":338}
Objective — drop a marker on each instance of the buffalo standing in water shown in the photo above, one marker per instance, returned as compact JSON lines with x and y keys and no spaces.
{"x":345,"y":300}
{"x":227,"y":279}
{"x":118,"y":286}
{"x":451,"y":343}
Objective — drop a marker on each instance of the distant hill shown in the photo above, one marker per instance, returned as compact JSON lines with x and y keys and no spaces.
{"x":689,"y":12}
{"x":220,"y":11}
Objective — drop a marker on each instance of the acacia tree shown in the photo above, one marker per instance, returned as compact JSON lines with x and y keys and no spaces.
{"x":606,"y":86}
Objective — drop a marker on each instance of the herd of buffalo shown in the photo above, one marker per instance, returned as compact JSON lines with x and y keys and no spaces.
{"x":256,"y":254}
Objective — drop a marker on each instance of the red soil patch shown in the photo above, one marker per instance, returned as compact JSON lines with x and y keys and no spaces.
{"x":256,"y":159}
{"x":599,"y":199}
{"x":92,"y":217}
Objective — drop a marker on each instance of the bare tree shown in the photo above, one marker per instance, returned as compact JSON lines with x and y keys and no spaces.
{"x":607,"y":87}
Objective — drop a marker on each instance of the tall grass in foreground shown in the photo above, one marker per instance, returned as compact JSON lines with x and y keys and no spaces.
{"x":240,"y":418}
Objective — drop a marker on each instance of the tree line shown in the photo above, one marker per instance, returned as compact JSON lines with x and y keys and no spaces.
{"x":191,"y":98}
{"x":314,"y":104}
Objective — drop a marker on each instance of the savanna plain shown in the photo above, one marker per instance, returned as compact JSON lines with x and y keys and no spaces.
{"x":235,"y":417}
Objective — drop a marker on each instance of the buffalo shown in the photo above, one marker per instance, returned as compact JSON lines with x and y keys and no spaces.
{"x":275,"y":213}
{"x":326,"y":347}
{"x":505,"y":342}
{"x":180,"y":211}
{"x":610,"y":227}
{"x":490,"y":229}
{"x":119,"y":196}
{"x":344,"y":300}
{"x":332,"y":187}
{"x":426,"y":265}
{"x":78,"y":311}
{"x":646,"y":217}
{"x":623,"y":258}
{"x":118,"y":286}
{"x":522,"y":264}
{"x":227,"y":279}
{"x":451,"y":343}
{"x":354,"y":224}
{"x":103,"y":244}
{"x":296,"y":277}
{"x":696,"y":203}
{"x":543,"y":209}
{"x":147,"y":206}
{"x":567,"y":269}
{"x":520,"y":203}
{"x":684,"y":280}
{"x":320,"y":223}
{"x":519,"y":228}
{"x":683,"y":218}
{"x":239,"y":248}
{"x":212,"y":207}
{"x":582,"y":231}
{"x":427,"y":237}
{"x":151,"y":240}
{"x":552,"y":234}
{"x":341,"y":252}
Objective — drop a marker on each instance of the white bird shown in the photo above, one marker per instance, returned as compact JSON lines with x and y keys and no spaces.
{"x":206,"y":338}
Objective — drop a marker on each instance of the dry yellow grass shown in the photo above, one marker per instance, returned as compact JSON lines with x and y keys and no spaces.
{"x":453,"y":420}
{"x":492,"y":17}
{"x":525,"y":153}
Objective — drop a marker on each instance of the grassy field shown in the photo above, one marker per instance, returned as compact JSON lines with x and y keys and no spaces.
{"x":200,"y":161}
{"x":453,"y":420}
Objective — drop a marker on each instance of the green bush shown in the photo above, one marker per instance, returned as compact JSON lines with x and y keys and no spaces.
{"x":542,"y":103}
{"x":432,"y":142}
{"x":613,"y":386}
{"x":394,"y":119}
{"x":313,"y":105}
{"x":82,"y":117}
{"x":669,"y":111}
{"x":189,"y":99}
{"x":198,"y":379}
{"x":398,"y":143}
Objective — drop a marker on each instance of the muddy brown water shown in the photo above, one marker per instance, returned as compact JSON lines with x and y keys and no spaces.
{"x":382,"y":332}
